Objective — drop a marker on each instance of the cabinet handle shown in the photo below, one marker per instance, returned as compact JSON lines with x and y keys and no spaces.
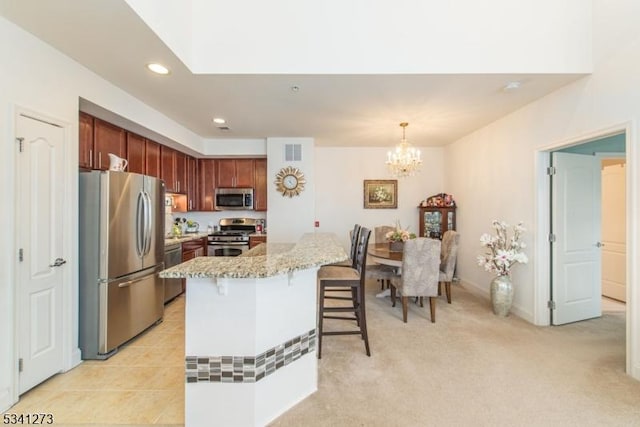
{"x":100,"y":160}
{"x":90,"y":158}
{"x":178,"y":186}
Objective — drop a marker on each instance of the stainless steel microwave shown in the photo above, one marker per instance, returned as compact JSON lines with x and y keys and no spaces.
{"x":234,"y":199}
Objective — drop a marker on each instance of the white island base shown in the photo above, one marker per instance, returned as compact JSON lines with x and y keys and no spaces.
{"x":250,"y":347}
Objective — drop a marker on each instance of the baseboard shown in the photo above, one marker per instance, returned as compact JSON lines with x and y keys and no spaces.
{"x":483,"y":292}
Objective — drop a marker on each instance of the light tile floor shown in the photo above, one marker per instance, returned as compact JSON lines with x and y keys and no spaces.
{"x":143,"y":383}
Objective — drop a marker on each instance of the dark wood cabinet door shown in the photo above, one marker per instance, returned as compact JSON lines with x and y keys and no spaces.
{"x":206,"y":184}
{"x":152,"y":158}
{"x":256,"y":240}
{"x":235,"y":173}
{"x":260,"y":185}
{"x":245,"y":170}
{"x":136,"y":153}
{"x":434,"y":221}
{"x":194,"y":248}
{"x":85,"y":141}
{"x":107,"y":138}
{"x":181,"y":171}
{"x":192,"y":184}
{"x":226,"y":172}
{"x":167,"y":168}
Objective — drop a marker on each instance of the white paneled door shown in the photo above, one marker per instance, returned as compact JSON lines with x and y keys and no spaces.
{"x":614,"y":231}
{"x":40,"y":260}
{"x":576,"y":252}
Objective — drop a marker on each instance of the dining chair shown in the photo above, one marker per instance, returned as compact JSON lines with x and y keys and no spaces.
{"x":420,"y":273}
{"x":448,"y":256}
{"x":333,"y":278}
{"x":380,"y":272}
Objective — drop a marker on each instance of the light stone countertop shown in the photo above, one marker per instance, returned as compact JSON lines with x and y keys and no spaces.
{"x":184,"y":238}
{"x":265,"y":260}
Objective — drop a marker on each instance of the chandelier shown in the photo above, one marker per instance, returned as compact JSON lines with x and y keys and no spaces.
{"x":405,"y":159}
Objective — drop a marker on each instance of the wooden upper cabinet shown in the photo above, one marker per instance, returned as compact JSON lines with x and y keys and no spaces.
{"x":206,"y":184}
{"x":85,"y":141}
{"x":167,"y":168}
{"x":235,"y":173}
{"x":152,"y":158}
{"x":180,"y":162}
{"x":245,"y":171}
{"x":192,"y":184}
{"x":107,"y":138}
{"x":226,"y":172}
{"x":260,"y":178}
{"x":136,"y":156}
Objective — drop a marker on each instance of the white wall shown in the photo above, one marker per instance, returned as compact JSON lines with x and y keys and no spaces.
{"x":288,"y":218}
{"x":38,"y":78}
{"x":493,"y":171}
{"x":404,"y":36}
{"x":340,"y":175}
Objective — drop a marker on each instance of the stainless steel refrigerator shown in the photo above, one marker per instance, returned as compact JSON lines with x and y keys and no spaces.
{"x":121,"y":225}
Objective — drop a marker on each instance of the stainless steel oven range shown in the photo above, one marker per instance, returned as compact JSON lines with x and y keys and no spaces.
{"x":233,"y":237}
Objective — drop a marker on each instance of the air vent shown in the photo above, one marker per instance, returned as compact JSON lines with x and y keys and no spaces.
{"x":224,"y":128}
{"x":293,"y":152}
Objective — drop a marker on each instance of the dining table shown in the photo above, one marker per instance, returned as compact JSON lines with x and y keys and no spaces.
{"x":380,"y":253}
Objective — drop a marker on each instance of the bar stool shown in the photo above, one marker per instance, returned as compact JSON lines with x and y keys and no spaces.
{"x":345,"y":279}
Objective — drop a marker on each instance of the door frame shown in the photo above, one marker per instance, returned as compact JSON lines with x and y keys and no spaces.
{"x":69,"y":339}
{"x":542,"y":271}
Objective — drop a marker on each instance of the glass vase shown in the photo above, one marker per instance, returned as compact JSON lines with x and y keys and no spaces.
{"x":501,"y":295}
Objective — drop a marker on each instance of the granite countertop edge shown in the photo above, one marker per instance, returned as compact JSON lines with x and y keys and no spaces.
{"x":265,"y":260}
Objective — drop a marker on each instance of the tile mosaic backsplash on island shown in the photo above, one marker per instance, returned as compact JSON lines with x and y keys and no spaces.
{"x":248,"y":369}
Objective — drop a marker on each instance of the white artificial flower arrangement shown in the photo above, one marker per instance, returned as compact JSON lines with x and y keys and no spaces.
{"x":503,"y":252}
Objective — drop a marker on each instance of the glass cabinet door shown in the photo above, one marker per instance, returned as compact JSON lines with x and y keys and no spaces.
{"x":432,"y":224}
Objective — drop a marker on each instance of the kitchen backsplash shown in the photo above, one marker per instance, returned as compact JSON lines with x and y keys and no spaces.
{"x":204,"y":219}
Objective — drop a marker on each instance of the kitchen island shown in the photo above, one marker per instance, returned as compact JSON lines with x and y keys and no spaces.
{"x":250,"y":330}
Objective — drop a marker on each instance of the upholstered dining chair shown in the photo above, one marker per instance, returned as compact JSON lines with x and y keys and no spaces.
{"x":333,"y":278}
{"x":383,"y":273}
{"x":448,"y":256}
{"x":420,"y":273}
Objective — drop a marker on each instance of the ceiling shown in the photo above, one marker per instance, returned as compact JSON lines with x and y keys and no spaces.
{"x":108,"y":38}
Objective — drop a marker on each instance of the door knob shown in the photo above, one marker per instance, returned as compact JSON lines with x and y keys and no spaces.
{"x":58,"y":262}
{"x":599,"y":245}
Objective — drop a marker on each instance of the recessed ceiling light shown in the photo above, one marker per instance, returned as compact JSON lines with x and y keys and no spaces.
{"x":219,"y":120}
{"x":158,"y":68}
{"x":295,"y":88}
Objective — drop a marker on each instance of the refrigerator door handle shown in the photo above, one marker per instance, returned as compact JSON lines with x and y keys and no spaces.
{"x":130,"y":282}
{"x":140,"y":218}
{"x":148,"y":223}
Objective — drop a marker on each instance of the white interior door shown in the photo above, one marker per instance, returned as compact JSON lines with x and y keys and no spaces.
{"x":40,"y":252}
{"x":614,"y":232}
{"x":575,"y":222}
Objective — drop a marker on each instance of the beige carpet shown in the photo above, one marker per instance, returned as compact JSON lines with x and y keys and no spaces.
{"x":472,"y":368}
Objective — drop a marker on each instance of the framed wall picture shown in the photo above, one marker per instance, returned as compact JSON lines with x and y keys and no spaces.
{"x":381,"y":194}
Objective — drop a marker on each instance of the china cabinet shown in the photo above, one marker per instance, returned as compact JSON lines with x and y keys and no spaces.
{"x":437,"y":215}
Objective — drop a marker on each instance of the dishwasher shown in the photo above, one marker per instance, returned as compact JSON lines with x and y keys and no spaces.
{"x":172,"y":256}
